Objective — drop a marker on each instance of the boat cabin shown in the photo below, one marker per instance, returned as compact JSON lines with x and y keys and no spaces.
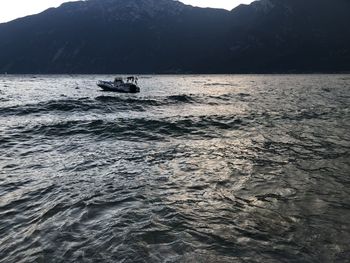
{"x":118,"y":81}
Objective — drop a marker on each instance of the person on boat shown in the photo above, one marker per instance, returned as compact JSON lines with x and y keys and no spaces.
{"x":130,"y":79}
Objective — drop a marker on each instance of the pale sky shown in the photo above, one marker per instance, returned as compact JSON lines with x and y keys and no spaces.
{"x":226,"y":4}
{"x":12,"y":9}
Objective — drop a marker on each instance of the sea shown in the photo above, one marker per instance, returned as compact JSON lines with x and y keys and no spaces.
{"x":194,"y":168}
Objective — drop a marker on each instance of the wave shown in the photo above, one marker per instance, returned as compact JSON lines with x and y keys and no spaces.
{"x":155,"y":101}
{"x":138,"y":129}
{"x":102,"y":103}
{"x":53,"y":105}
{"x":147,"y":128}
{"x":220,"y":84}
{"x":109,"y":104}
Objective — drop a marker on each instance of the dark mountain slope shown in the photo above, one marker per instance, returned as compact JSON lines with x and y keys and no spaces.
{"x":166,"y":36}
{"x":291,"y":35}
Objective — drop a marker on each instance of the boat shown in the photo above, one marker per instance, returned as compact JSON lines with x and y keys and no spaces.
{"x":119,"y":85}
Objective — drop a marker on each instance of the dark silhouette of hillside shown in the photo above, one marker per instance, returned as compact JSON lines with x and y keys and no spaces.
{"x":166,"y":36}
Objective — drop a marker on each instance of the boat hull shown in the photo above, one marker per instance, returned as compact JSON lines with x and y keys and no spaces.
{"x":121,"y":88}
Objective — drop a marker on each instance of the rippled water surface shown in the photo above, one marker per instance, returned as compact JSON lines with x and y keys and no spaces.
{"x":192,"y":169}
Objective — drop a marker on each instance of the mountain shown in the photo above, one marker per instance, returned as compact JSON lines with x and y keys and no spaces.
{"x":291,"y":35}
{"x":166,"y":36}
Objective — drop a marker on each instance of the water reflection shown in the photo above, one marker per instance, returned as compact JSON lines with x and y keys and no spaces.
{"x":192,"y":169}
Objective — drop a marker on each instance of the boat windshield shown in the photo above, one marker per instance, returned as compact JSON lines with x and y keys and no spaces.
{"x":118,"y":80}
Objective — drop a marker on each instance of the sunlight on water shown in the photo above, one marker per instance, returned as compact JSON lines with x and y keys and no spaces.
{"x":192,"y":169}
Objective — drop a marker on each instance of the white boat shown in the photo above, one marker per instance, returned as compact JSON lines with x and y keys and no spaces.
{"x":118,"y":85}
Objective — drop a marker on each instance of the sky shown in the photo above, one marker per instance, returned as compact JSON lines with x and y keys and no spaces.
{"x":12,"y":9}
{"x":226,"y":4}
